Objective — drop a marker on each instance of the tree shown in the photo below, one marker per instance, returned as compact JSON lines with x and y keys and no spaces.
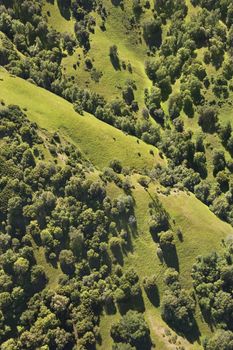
{"x":76,"y":242}
{"x":149,"y":283}
{"x":153,"y":99}
{"x":194,"y":86}
{"x":5,"y":301}
{"x":223,"y":308}
{"x":115,"y":244}
{"x":202,"y":191}
{"x":221,"y":340}
{"x":97,"y":192}
{"x":188,"y":105}
{"x":230,"y":145}
{"x":137,"y":8}
{"x":59,"y":303}
{"x":131,"y":329}
{"x":175,"y":106}
{"x":178,"y":309}
{"x":208,"y":119}
{"x":128,"y":94}
{"x":113,"y":52}
{"x":166,"y":240}
{"x":171,"y":277}
{"x":21,"y":266}
{"x":220,"y":207}
{"x":219,"y":161}
{"x":114,"y":57}
{"x":38,"y":276}
{"x":199,"y":162}
{"x":200,"y":144}
{"x":67,"y":260}
{"x":223,"y":180}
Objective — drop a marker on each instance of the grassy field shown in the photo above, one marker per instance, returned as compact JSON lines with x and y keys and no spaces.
{"x":62,"y":23}
{"x":98,"y":141}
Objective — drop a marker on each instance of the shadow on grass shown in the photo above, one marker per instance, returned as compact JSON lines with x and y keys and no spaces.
{"x":64,"y":10}
{"x":153,"y":295}
{"x":207,"y":318}
{"x":171,"y":258}
{"x":134,"y":303}
{"x":115,"y":62}
{"x":193,"y":334}
{"x":106,"y":260}
{"x":110,"y":308}
{"x":128,"y":245}
{"x":118,"y":3}
{"x":118,"y":255}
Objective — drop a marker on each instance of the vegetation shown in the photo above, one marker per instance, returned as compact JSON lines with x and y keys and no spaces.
{"x":116,"y":187}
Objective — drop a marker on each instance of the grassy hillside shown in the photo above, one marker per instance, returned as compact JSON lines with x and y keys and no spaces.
{"x":87,"y":227}
{"x":202,"y":233}
{"x":98,"y":141}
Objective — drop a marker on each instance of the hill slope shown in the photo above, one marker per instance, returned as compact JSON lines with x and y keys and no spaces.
{"x":132,"y":254}
{"x":202,"y":231}
{"x":99,"y":141}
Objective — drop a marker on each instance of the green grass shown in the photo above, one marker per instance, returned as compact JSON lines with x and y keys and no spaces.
{"x":56,"y":20}
{"x":98,"y":141}
{"x":202,"y":230}
{"x":53,"y":273}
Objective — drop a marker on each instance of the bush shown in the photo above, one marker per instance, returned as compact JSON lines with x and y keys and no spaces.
{"x":116,"y":166}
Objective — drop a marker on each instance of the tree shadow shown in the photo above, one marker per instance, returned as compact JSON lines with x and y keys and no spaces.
{"x":116,"y":2}
{"x":207,"y":318}
{"x":153,"y":295}
{"x":180,"y":236}
{"x":146,"y":344}
{"x":154,"y":234}
{"x":110,"y":308}
{"x":171,"y":258}
{"x":115,"y":62}
{"x":64,"y":9}
{"x":154,"y":39}
{"x":118,"y":255}
{"x":165,"y":91}
{"x":135,"y":303}
{"x":193,"y":334}
{"x":106,"y":260}
{"x":128,"y":245}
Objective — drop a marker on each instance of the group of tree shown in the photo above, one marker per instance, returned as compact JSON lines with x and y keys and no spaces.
{"x":78,"y":229}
